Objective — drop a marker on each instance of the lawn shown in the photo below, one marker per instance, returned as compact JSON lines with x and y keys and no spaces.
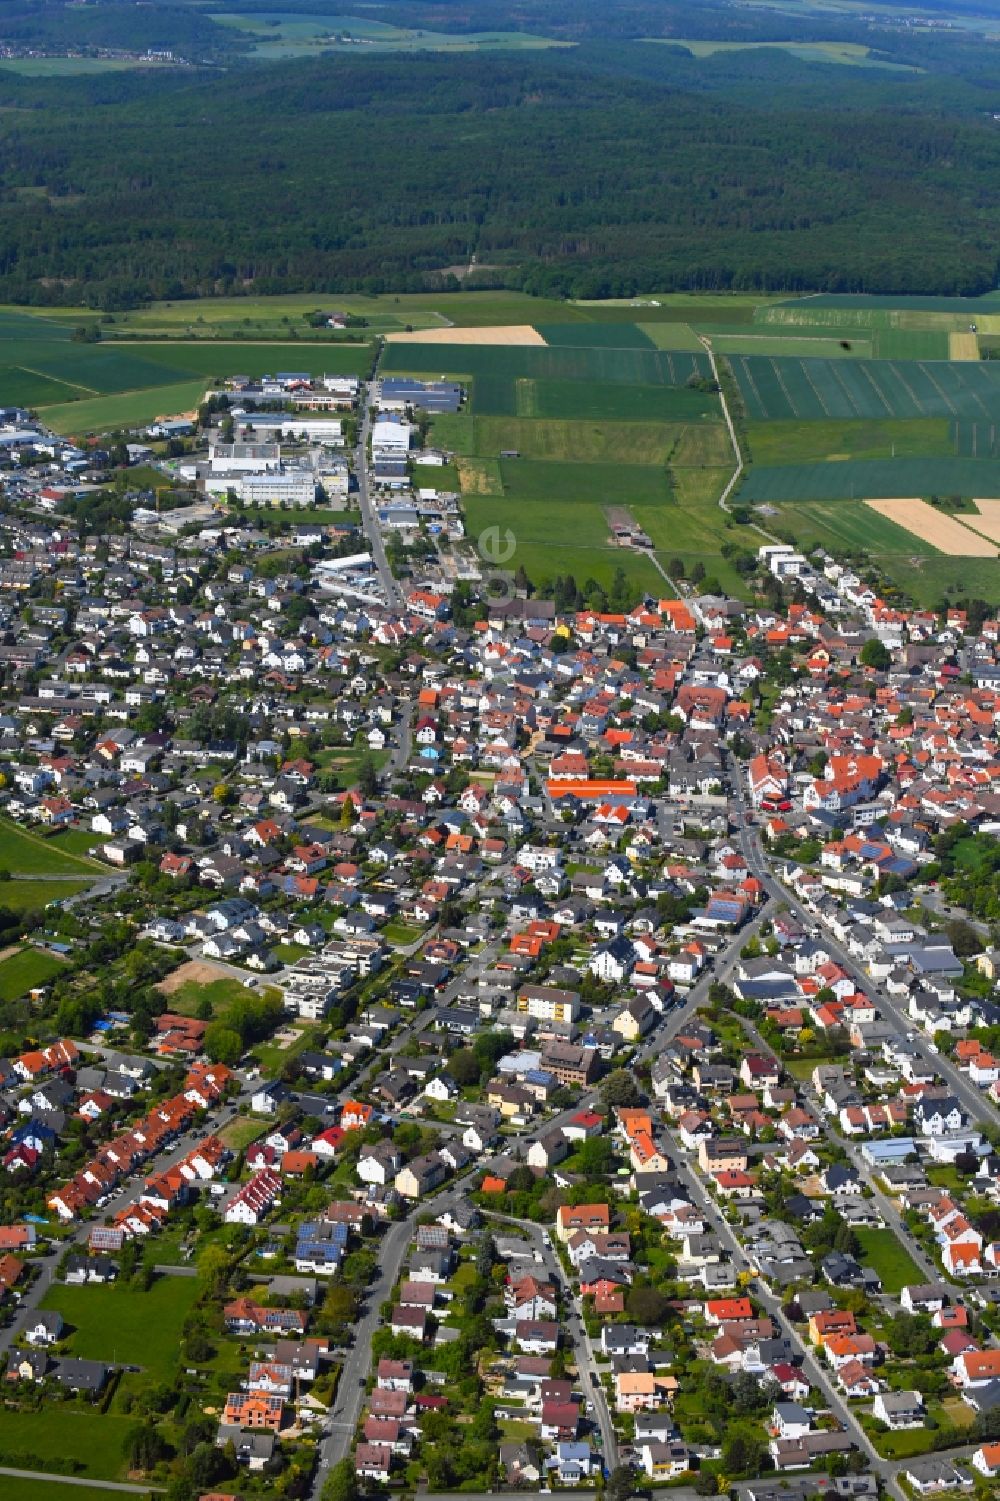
{"x":23,"y":971}
{"x":241,"y":1132}
{"x":127,"y":1327}
{"x":74,"y":1432}
{"x":25,"y":853}
{"x":75,"y":841}
{"x":886,"y":1255}
{"x":401,"y":934}
{"x":435,"y":477}
{"x":31,"y":896}
{"x":288,"y":953}
{"x":53,"y":1490}
{"x":904,"y":1444}
{"x":220,"y":995}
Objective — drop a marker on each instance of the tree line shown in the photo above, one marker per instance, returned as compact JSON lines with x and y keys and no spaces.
{"x":564,"y":178}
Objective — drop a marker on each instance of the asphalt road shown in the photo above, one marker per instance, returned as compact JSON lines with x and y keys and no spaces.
{"x":966,"y":1092}
{"x":369,"y":520}
{"x":339,"y":1427}
{"x":815,"y":1374}
{"x":591,"y":1390}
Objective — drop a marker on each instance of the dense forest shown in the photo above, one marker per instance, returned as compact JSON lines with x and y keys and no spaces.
{"x":609,"y":168}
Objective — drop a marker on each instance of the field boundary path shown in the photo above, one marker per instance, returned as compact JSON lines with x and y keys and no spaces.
{"x":130,"y":1488}
{"x":741,"y":466}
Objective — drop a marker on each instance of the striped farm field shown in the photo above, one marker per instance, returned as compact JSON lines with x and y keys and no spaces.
{"x":943,"y":532}
{"x":849,"y":526}
{"x":774,"y":389}
{"x":866,"y":479}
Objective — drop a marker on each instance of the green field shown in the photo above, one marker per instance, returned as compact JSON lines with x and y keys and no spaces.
{"x":886,"y":1255}
{"x":588,"y":336}
{"x":435,"y":477}
{"x":31,"y":896}
{"x":819,"y":304}
{"x":846,"y":54}
{"x":71,"y":67}
{"x":672,"y":335}
{"x":933,"y":579}
{"x":804,"y":442}
{"x":79,"y":387}
{"x":24,"y":971}
{"x":871,"y":479}
{"x":587,"y":442}
{"x":976,"y":440}
{"x":26,"y":853}
{"x":135,"y":409}
{"x":280,"y":35}
{"x":624,"y":366}
{"x":775,"y":388}
{"x":910,"y":344}
{"x":71,"y":1432}
{"x":214,"y":357}
{"x":849,"y":525}
{"x":220,"y":994}
{"x":791,"y":343}
{"x":124,"y":1326}
{"x":53,"y":1490}
{"x":596,"y":483}
{"x":591,"y":400}
{"x":27,"y":388}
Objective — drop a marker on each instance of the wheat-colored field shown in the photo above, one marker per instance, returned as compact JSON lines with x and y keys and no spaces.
{"x":944,"y":532}
{"x":503,"y":334}
{"x":963,"y":346}
{"x":988,"y":520}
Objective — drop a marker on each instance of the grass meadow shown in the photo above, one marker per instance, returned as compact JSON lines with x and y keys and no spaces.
{"x":22,"y":971}
{"x":26,"y":853}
